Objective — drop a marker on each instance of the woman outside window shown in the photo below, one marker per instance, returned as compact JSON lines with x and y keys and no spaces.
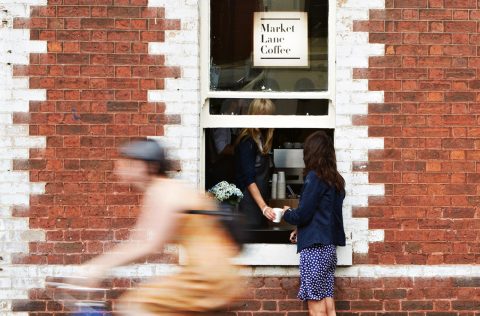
{"x":319,"y":224}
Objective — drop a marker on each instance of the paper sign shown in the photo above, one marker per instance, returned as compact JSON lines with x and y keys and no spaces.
{"x":280,"y":39}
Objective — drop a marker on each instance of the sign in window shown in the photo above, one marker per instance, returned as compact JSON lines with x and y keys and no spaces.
{"x":280,"y":39}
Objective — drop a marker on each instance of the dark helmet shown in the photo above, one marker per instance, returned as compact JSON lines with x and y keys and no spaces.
{"x":147,"y":150}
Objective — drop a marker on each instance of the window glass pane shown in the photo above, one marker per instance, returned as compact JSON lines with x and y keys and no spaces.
{"x":231,"y":50}
{"x":281,"y":106}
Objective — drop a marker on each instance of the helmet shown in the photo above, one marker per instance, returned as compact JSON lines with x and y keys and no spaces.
{"x":147,"y":150}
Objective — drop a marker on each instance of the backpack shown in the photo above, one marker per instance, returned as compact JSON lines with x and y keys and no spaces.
{"x":233,"y":223}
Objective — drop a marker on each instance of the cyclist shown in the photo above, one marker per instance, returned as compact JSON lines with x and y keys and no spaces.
{"x":208,"y":280}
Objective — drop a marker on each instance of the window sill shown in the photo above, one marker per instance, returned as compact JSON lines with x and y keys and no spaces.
{"x":282,"y":255}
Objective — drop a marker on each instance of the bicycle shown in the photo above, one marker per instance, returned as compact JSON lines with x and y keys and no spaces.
{"x":77,"y":298}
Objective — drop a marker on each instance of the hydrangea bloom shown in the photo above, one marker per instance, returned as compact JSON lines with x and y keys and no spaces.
{"x":226,"y":192}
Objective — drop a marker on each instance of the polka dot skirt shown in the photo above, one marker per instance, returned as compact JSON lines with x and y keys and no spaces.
{"x":317,"y":272}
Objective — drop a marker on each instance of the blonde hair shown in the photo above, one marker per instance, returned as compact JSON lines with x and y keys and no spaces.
{"x":259,"y":107}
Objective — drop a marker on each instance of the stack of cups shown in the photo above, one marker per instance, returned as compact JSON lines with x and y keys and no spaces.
{"x":281,"y":185}
{"x":274,"y":186}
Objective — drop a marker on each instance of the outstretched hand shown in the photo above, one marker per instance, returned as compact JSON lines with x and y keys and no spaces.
{"x":269,"y":213}
{"x":293,"y":237}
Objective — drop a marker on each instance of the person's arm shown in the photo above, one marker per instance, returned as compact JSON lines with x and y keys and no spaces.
{"x":257,"y":196}
{"x":308,"y":203}
{"x":247,"y":154}
{"x":157,"y":218}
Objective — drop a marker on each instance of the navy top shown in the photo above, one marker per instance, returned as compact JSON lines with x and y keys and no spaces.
{"x":319,"y":214}
{"x":245,"y":160}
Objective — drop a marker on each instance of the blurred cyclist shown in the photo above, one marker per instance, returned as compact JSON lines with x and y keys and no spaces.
{"x":208,"y":281}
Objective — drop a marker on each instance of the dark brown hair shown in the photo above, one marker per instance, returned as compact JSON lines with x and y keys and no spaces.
{"x":319,"y":156}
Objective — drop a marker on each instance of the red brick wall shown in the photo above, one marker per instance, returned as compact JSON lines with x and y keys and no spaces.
{"x":96,"y":73}
{"x":354,"y":296}
{"x":430,"y":75}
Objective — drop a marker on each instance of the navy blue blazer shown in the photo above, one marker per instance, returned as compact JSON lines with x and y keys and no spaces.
{"x":319,"y":214}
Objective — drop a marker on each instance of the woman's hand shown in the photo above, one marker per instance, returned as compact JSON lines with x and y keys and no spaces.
{"x":293,"y":236}
{"x":268,"y":212}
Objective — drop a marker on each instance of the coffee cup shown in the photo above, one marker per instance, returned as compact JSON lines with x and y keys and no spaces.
{"x":278,"y":214}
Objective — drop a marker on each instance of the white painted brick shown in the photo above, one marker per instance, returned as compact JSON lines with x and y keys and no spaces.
{"x":23,"y":2}
{"x":30,"y":142}
{"x":190,"y":72}
{"x":183,"y":154}
{"x":37,"y":46}
{"x":31,"y":94}
{"x":18,"y":59}
{"x":354,"y":85}
{"x":348,"y":15}
{"x":182,"y":107}
{"x":372,"y":4}
{"x":190,"y":120}
{"x":182,"y":131}
{"x":368,"y":189}
{"x":14,"y":247}
{"x":5,"y":94}
{"x":186,"y":60}
{"x":15,"y":187}
{"x":14,"y":9}
{"x":181,"y":11}
{"x":5,"y":165}
{"x":6,"y":118}
{"x":353,"y":109}
{"x":5,"y":283}
{"x":175,"y":96}
{"x":354,"y":61}
{"x":190,"y":142}
{"x":16,"y":130}
{"x":182,"y":37}
{"x":343,"y":120}
{"x":13,"y":153}
{"x":352,"y":132}
{"x":191,"y":165}
{"x":13,"y":199}
{"x":37,"y":188}
{"x":13,"y":106}
{"x":376,"y":235}
{"x":20,"y":83}
{"x":173,"y":49}
{"x":181,"y":84}
{"x":172,"y":142}
{"x":5,"y":142}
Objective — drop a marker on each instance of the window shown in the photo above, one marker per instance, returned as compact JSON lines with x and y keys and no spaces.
{"x":299,"y":82}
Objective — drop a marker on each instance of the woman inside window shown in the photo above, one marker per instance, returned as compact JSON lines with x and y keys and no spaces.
{"x":253,"y":162}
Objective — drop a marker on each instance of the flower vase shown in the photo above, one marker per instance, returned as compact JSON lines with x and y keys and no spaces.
{"x":228,"y":207}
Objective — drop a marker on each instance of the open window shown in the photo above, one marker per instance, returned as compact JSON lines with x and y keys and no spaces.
{"x":265,"y":49}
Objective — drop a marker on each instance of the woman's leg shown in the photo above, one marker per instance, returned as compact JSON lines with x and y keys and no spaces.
{"x":317,"y":308}
{"x":325,"y":307}
{"x":330,"y":304}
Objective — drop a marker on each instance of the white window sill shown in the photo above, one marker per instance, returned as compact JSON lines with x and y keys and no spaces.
{"x":283,"y":255}
{"x":276,"y":255}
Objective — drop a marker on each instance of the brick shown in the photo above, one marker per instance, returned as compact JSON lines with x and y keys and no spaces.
{"x":28,"y":305}
{"x":466,"y":305}
{"x":457,"y":4}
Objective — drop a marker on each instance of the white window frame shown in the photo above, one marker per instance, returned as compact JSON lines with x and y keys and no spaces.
{"x":265,"y":254}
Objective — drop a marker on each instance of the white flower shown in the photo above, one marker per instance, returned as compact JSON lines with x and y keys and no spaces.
{"x":224,"y":191}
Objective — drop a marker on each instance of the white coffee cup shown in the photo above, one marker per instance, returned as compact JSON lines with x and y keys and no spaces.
{"x":278,"y":214}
